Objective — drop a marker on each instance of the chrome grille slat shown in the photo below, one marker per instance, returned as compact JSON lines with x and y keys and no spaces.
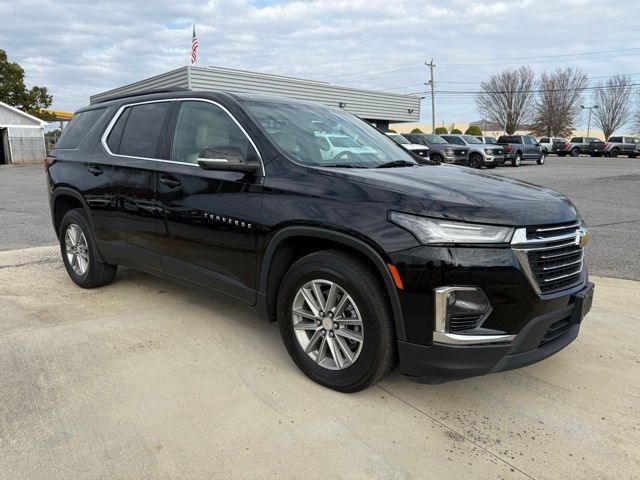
{"x":551,"y":257}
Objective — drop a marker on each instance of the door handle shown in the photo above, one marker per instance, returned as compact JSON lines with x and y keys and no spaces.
{"x":95,"y":171}
{"x":169,"y":182}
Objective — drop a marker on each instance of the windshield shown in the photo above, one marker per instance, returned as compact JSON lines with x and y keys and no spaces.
{"x":301,"y":131}
{"x":434,"y":139}
{"x":471,"y":139}
{"x":396,"y":137}
{"x":490,"y":140}
{"x":342,"y":142}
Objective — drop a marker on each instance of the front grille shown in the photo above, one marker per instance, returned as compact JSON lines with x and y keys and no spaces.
{"x":556,"y":330}
{"x":552,"y":257}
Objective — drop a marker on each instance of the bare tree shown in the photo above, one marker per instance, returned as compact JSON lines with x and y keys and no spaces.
{"x":636,"y":113}
{"x":557,"y":105}
{"x":613,"y":98}
{"x":507,"y":98}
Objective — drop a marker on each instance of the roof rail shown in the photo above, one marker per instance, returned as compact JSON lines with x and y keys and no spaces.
{"x":139,"y":93}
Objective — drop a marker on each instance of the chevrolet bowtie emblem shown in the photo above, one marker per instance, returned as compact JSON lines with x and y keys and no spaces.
{"x":582,"y":238}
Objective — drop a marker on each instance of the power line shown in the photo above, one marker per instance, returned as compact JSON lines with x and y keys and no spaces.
{"x":561,"y":55}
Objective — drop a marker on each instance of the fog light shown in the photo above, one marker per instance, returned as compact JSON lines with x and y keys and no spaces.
{"x":460,"y":308}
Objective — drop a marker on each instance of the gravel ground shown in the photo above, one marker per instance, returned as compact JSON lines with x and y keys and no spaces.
{"x":606,"y":191}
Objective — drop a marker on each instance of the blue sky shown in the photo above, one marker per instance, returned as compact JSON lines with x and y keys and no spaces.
{"x":77,"y":48}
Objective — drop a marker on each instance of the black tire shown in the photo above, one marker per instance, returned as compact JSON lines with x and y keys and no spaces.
{"x":436,"y":157}
{"x":516,"y":160}
{"x":614,"y":153}
{"x":475,"y":160}
{"x":575,"y":152}
{"x":632,"y":155}
{"x":542,"y":159}
{"x":378,"y":354}
{"x":97,"y":274}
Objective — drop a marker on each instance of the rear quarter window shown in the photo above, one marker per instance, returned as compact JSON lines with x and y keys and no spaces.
{"x":509,"y":139}
{"x":615,"y":139}
{"x":78,"y":128}
{"x":139,"y":130}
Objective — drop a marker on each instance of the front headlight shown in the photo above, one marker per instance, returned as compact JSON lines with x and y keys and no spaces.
{"x":449,"y":151}
{"x":437,"y":231}
{"x":488,"y":151}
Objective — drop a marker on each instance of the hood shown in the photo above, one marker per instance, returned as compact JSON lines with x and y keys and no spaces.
{"x":459,"y":193}
{"x":415,"y":146}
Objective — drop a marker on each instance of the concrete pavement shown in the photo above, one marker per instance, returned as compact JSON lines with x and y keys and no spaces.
{"x":146,"y":379}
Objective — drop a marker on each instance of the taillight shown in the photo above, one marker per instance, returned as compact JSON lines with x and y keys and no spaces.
{"x":508,"y":148}
{"x":48,"y":161}
{"x":565,"y":146}
{"x":606,"y":144}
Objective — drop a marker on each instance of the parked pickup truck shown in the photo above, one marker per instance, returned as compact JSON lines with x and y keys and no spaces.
{"x":621,"y":146}
{"x":552,"y":144}
{"x":587,"y":145}
{"x":518,"y":148}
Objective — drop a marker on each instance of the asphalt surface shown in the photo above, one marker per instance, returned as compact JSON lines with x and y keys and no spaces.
{"x":144,"y":379}
{"x":606,"y":192}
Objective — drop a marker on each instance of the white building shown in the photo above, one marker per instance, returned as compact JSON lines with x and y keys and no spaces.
{"x":21,"y":136}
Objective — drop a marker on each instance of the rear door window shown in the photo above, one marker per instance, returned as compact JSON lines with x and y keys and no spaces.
{"x":139,"y":131}
{"x":79,"y":127}
{"x":615,"y":139}
{"x":544,"y":140}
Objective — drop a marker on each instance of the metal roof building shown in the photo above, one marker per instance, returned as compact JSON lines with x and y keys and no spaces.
{"x":379,"y":108}
{"x":21,"y":136}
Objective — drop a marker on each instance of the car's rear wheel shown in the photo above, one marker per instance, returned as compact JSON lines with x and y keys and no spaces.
{"x":335,"y":321}
{"x":614,"y":153}
{"x":517,"y":160}
{"x":79,"y":252}
{"x":475,"y":160}
{"x":575,"y":152}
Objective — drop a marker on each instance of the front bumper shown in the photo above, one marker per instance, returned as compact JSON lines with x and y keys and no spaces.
{"x":494,"y":159}
{"x":457,"y":159}
{"x":541,"y":337}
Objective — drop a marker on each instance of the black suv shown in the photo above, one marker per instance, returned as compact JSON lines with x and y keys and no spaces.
{"x":363,"y":256}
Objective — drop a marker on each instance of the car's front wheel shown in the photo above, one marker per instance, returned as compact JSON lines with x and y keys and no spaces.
{"x":475,"y":161}
{"x":543,"y":157}
{"x":335,"y":321}
{"x":79,"y":252}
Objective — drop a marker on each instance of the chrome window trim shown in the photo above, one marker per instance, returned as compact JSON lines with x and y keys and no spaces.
{"x":117,"y":115}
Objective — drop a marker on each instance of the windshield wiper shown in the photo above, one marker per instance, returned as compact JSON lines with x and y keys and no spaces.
{"x":397,"y":163}
{"x":342,"y":165}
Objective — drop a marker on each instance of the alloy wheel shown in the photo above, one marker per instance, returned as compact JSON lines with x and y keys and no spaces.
{"x":77,"y":249}
{"x":327,"y":324}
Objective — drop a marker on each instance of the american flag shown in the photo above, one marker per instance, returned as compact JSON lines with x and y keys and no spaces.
{"x":194,"y":47}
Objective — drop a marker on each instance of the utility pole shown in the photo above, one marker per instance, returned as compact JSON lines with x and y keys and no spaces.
{"x":431,"y":66}
{"x":589,"y":124}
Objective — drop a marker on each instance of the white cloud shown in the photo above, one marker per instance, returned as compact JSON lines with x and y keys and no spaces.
{"x":77,"y":48}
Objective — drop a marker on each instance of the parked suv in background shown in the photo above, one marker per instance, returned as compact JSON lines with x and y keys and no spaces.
{"x":439,"y":149}
{"x":552,"y":144}
{"x":479,"y":154}
{"x":520,"y":148}
{"x":621,"y":146}
{"x":414,"y":148}
{"x":587,"y":145}
{"x":363,"y":259}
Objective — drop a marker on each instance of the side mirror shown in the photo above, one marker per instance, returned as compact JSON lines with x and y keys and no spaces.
{"x":230,"y":159}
